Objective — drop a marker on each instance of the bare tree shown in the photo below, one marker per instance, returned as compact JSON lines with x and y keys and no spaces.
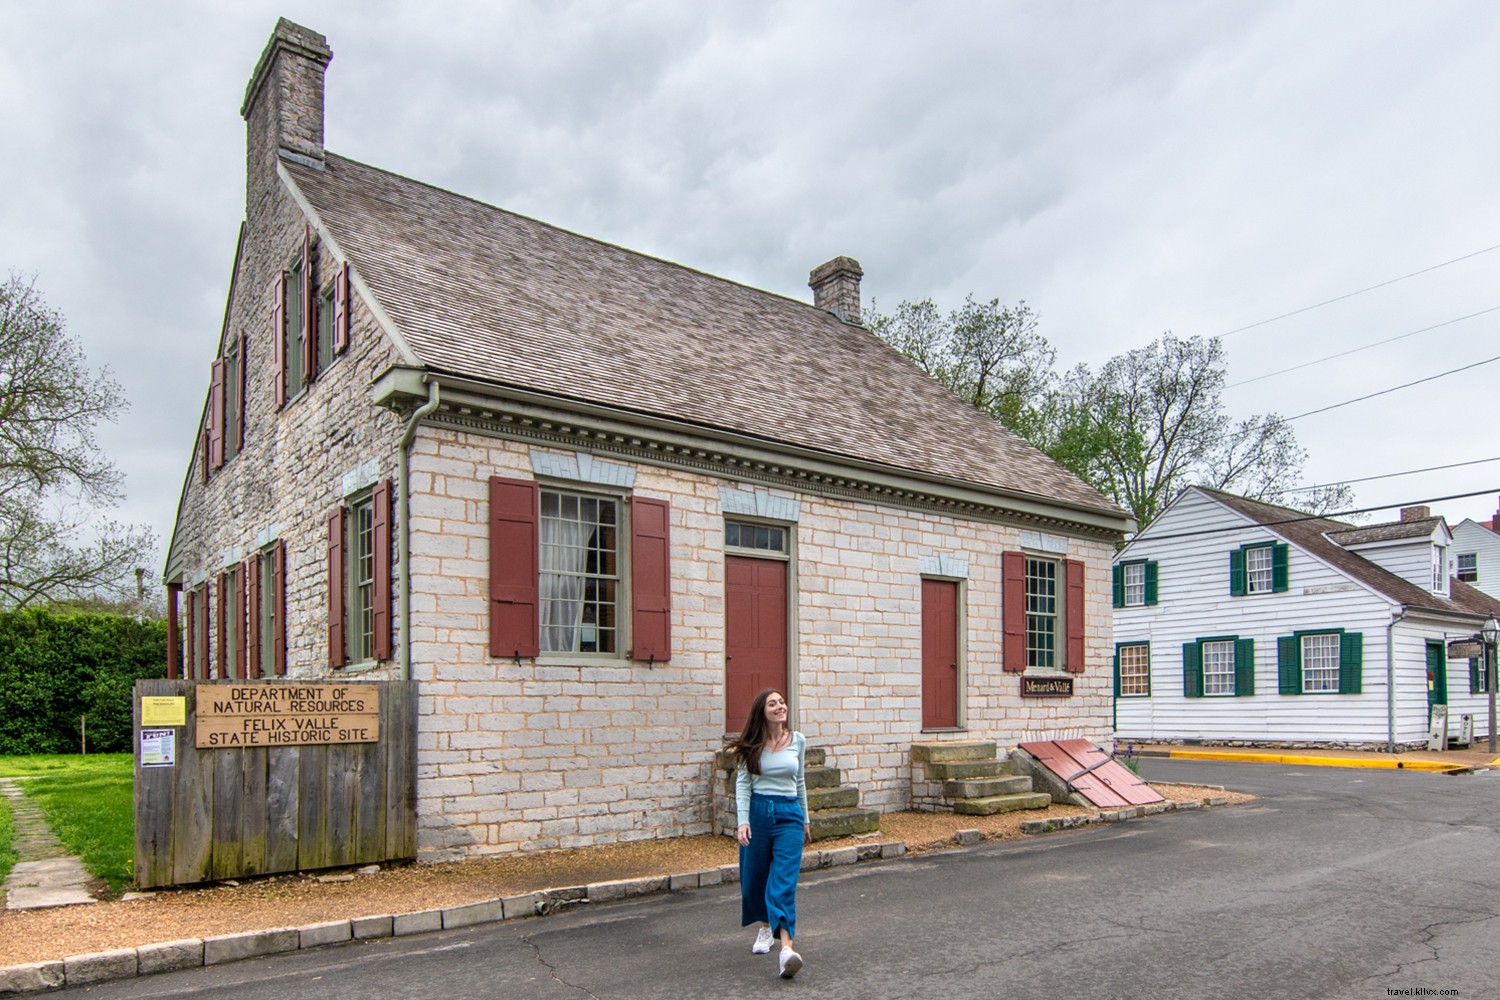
{"x":54,"y":481}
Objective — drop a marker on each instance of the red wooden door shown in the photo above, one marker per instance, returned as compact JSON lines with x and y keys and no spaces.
{"x":939,"y":654}
{"x":755,"y":633}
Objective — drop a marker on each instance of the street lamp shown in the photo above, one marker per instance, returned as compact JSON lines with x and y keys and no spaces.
{"x":1490,"y":631}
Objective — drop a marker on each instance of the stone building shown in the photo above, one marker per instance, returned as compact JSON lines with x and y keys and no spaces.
{"x":592,"y":501}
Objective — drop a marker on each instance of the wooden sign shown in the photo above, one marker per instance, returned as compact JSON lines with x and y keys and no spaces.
{"x":287,"y":715}
{"x":1465,"y":649}
{"x":1046,"y":687}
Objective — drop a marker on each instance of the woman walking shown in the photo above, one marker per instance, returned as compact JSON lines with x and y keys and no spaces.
{"x":770,"y":790}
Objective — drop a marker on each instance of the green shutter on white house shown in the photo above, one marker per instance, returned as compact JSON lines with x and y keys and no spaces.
{"x":1119,"y":587}
{"x":1279,"y":568}
{"x":1289,"y":664}
{"x":1192,"y":670}
{"x":1244,"y":667}
{"x":1476,"y":684}
{"x":1151,"y":582}
{"x":1351,"y":662}
{"x":1236,"y":572}
{"x":1117,"y":653}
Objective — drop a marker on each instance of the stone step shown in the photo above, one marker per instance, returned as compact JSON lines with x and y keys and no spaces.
{"x":816,"y":757}
{"x":840,"y":797}
{"x":822,"y":777}
{"x":979,"y":788}
{"x":992,"y":804}
{"x":948,"y":752}
{"x":967,"y":769}
{"x":830,"y":823}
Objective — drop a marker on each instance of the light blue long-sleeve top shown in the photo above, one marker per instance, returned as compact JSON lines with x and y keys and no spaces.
{"x":781,"y":773}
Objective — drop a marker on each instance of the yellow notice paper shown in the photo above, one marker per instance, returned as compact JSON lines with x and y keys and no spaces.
{"x":161,"y":711}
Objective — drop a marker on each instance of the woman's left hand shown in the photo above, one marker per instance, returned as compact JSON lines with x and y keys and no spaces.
{"x":807,"y":835}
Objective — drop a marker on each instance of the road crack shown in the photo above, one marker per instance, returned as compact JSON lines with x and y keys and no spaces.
{"x":552,"y":971}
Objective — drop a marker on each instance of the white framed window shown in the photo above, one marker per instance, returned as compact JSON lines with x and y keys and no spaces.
{"x":1259,"y":571}
{"x":1439,"y":569}
{"x":760,"y":538}
{"x":1468,"y":567}
{"x":1218,"y":668}
{"x":292,"y":331}
{"x":1320,"y":663}
{"x":1135,"y":670}
{"x":1134,"y":575}
{"x":1043,"y":614}
{"x":361,"y":572}
{"x":580,"y":572}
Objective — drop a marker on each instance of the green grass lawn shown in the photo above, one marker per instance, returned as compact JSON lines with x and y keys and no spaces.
{"x":7,"y":856}
{"x":89,"y":802}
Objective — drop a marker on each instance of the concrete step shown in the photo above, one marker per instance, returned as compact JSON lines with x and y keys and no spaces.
{"x":822,"y":777}
{"x":816,"y":757}
{"x":992,"y":804}
{"x":947,"y":752}
{"x":830,"y":823}
{"x":978,"y":788}
{"x":841,"y":797}
{"x":967,"y":769}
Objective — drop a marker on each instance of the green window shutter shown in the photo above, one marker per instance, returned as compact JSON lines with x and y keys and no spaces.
{"x":1119,"y":587}
{"x":1244,"y":667}
{"x":1237,"y":573}
{"x":1151,"y":582}
{"x":1192,"y":670}
{"x":1278,"y":567}
{"x":1117,"y":647}
{"x":1474,"y":676}
{"x":1289,"y":664}
{"x":1351,"y":662}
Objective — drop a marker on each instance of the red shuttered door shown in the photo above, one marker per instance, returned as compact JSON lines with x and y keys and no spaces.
{"x":755,"y":640}
{"x":939,"y":654}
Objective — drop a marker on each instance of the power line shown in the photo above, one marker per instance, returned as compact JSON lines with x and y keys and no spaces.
{"x":1404,"y":385}
{"x":1366,"y":347}
{"x":1390,"y":475}
{"x":1350,"y":295}
{"x":1315,"y":517}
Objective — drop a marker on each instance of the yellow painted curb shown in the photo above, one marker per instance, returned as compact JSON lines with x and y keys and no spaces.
{"x":1282,"y":758}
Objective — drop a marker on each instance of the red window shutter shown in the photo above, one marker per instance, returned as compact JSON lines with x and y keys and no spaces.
{"x":278,"y":608}
{"x":514,"y":627}
{"x":216,"y":416}
{"x":252,"y":616}
{"x":1013,"y":611}
{"x":309,"y":318}
{"x":278,"y":334}
{"x":174,"y":637}
{"x":190,"y":648}
{"x":341,"y":309}
{"x":337,"y":531}
{"x":380,"y":531}
{"x":1073,"y":659}
{"x":237,"y":618}
{"x":221,"y":619}
{"x":239,"y":394}
{"x":650,"y":580}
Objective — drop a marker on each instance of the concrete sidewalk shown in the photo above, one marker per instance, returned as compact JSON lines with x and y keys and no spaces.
{"x":1476,"y":757}
{"x":45,"y":874}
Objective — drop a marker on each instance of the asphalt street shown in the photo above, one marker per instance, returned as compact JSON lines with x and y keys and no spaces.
{"x":1337,"y":883}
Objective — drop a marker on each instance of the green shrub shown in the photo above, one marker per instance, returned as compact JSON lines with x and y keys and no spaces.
{"x":58,"y":668}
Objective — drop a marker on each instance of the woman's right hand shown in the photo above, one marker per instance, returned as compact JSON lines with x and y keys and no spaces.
{"x":743,"y":835}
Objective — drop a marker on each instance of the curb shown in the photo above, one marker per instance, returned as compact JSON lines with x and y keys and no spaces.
{"x":1038,"y":826}
{"x":1307,"y":761}
{"x":127,"y":963}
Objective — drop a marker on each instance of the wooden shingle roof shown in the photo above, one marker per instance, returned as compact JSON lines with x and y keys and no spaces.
{"x":483,"y":293}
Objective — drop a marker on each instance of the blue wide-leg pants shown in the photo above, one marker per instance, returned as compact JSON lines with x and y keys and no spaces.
{"x":769,"y":865}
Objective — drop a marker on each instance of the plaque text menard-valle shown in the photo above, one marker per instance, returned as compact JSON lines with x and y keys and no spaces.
{"x":287,"y":715}
{"x":1046,"y":687}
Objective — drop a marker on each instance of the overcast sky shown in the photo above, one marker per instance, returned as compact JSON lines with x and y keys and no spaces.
{"x":1126,"y":168}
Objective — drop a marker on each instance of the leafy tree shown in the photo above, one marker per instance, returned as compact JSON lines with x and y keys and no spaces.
{"x":54,"y":480}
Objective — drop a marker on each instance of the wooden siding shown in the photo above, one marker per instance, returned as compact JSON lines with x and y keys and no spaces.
{"x":228,"y":813}
{"x":1194,"y":602}
{"x":1410,"y":560}
{"x":1485,"y":545}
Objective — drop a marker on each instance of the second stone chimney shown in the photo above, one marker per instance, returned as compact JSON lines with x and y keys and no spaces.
{"x":283,"y":107}
{"x":835,"y":287}
{"x":1415,"y":513}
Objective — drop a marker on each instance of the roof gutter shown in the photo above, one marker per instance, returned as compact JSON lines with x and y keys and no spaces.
{"x":403,"y":529}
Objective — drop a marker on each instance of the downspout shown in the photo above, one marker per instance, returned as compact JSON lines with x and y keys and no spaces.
{"x":1390,"y":680}
{"x":403,"y":531}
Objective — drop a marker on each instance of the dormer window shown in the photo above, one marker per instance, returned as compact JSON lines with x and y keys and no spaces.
{"x":1440,"y":569}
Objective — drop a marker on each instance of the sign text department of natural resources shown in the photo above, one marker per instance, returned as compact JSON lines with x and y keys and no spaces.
{"x":287,"y":715}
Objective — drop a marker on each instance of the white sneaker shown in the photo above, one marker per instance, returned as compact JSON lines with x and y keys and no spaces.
{"x":791,"y":963}
{"x":763,"y":940}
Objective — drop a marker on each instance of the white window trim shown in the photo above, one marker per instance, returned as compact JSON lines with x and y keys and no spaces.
{"x":1303,"y":654}
{"x":618,"y":656}
{"x":1203,"y":649}
{"x":1256,"y":551}
{"x":1143,"y":678}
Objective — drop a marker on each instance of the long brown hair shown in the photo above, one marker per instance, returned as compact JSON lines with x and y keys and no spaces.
{"x":752,"y":739}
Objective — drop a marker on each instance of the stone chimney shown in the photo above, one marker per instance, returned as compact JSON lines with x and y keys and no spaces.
{"x":1415,"y":513}
{"x":835,"y":287}
{"x":1494,"y":524}
{"x":283,"y":107}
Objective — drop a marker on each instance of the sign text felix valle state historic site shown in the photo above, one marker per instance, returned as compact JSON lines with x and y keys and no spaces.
{"x":287,"y":715}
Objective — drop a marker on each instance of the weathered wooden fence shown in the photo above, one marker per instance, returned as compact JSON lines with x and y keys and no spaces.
{"x":229,"y":812}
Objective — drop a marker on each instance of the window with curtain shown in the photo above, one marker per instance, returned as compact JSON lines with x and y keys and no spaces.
{"x":579,"y":578}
